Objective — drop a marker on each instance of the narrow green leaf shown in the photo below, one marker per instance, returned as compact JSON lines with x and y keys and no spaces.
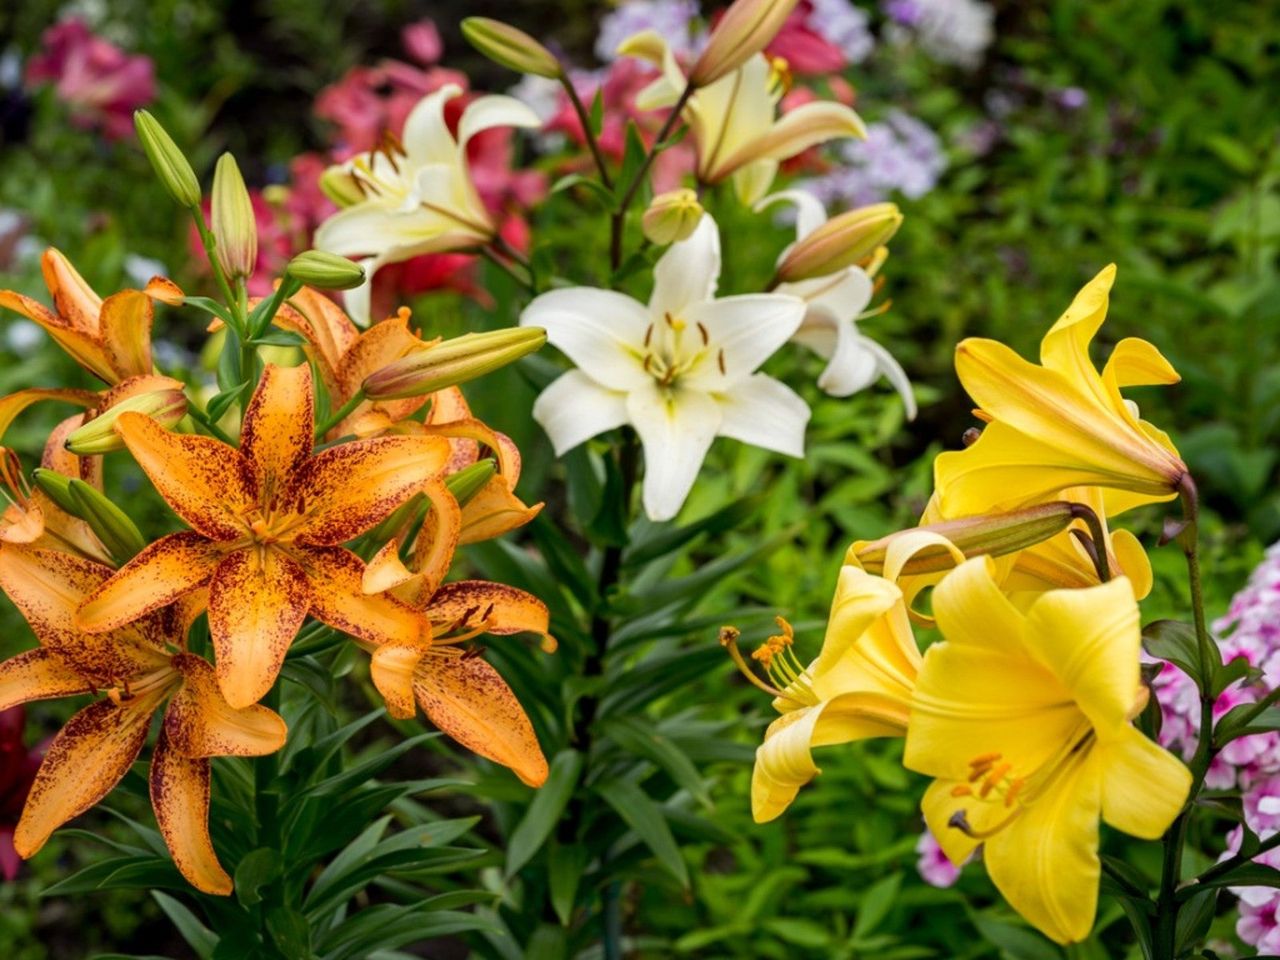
{"x":876,"y":904}
{"x":640,"y":738}
{"x":254,"y":871}
{"x":199,"y":937}
{"x":565,"y":864}
{"x":668,"y":539}
{"x":1175,"y":642}
{"x":544,"y":812}
{"x":646,"y":818}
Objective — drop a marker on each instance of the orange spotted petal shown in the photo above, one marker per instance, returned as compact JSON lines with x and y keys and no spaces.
{"x":125,"y":330}
{"x":37,"y":675}
{"x":385,"y":571}
{"x":469,"y":700}
{"x":328,"y":331}
{"x":506,"y":609}
{"x":200,"y":722}
{"x":85,"y":761}
{"x":209,"y":484}
{"x":338,"y":599}
{"x":15,"y":403}
{"x":493,"y":511}
{"x":278,"y":426}
{"x":153,"y":579}
{"x":437,"y":539}
{"x":258,"y":599}
{"x":392,"y":670}
{"x":350,"y":488}
{"x":180,"y":797}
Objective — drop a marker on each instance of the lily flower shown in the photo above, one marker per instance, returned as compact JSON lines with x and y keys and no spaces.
{"x":734,"y":119}
{"x":835,"y":303}
{"x":1024,"y":719}
{"x":346,"y":356}
{"x":415,"y":195}
{"x":681,"y":370}
{"x":440,"y":670}
{"x":110,"y":338}
{"x":858,"y":687}
{"x":267,"y":523}
{"x":31,"y":518}
{"x":1060,"y":424}
{"x":139,"y":668}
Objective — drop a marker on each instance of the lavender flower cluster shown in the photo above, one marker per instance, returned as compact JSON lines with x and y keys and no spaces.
{"x":899,"y":155}
{"x":673,"y":19}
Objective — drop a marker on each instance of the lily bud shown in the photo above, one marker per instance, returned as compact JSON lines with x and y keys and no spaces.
{"x":340,"y":186}
{"x":512,"y":48}
{"x":672,"y":217}
{"x":841,"y":242}
{"x":326,"y":271}
{"x":234,"y":226}
{"x":993,"y":534}
{"x":113,"y":527}
{"x":167,"y":160}
{"x":452,"y":362}
{"x":744,"y":30}
{"x":469,"y":481}
{"x":98,"y":436}
{"x":57,"y":487}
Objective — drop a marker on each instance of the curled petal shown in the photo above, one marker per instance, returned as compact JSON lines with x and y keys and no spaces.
{"x":180,"y":798}
{"x":505,"y":609}
{"x":392,"y":670}
{"x":338,"y":599}
{"x":327,"y":329}
{"x":200,"y":722}
{"x":125,"y":328}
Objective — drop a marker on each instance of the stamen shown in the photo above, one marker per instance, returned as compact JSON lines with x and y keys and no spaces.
{"x":720,"y":361}
{"x":706,"y":337}
{"x":648,"y":335}
{"x":1015,"y":787}
{"x":729,"y":640}
{"x":994,"y":778}
{"x":962,"y":790}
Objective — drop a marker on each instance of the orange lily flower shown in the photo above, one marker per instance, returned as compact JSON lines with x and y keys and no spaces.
{"x":267,"y":523}
{"x":459,"y":692}
{"x":110,"y":338}
{"x":346,"y":356}
{"x":140,"y":667}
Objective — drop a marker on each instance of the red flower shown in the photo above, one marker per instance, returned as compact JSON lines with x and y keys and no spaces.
{"x":101,"y":83}
{"x":806,"y":51}
{"x":18,"y":766}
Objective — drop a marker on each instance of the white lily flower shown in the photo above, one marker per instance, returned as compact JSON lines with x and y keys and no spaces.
{"x":681,"y":370}
{"x":414,"y":195}
{"x":734,"y":119}
{"x":834,"y":304}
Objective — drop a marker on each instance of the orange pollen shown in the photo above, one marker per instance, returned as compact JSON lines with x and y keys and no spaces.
{"x":1015,"y":787}
{"x":993,"y":778}
{"x":962,"y":790}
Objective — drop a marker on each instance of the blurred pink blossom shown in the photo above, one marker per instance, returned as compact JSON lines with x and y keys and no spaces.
{"x":101,"y":83}
{"x":933,"y":865}
{"x":803,"y":46}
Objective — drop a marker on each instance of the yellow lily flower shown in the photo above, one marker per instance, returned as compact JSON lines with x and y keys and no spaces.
{"x":268,"y":520}
{"x":110,"y":338}
{"x":459,"y":692}
{"x":858,"y":687}
{"x":734,"y":119}
{"x":1024,"y":719}
{"x":346,"y":356}
{"x":139,"y":667}
{"x":1060,"y":424}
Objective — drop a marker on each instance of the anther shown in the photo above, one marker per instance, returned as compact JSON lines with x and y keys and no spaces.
{"x":706,"y":337}
{"x":720,"y":361}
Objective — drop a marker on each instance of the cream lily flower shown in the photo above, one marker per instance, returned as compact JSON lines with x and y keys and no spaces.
{"x":1025,"y":721}
{"x":1061,"y":423}
{"x":415,"y":196}
{"x":858,"y":687}
{"x":835,"y":303}
{"x":680,"y":370}
{"x":733,"y":120}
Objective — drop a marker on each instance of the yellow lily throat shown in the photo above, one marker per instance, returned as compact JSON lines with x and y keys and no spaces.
{"x":790,"y":680}
{"x":666,"y":349}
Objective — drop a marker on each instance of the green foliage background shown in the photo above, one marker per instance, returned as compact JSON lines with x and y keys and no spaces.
{"x":1171,"y":170}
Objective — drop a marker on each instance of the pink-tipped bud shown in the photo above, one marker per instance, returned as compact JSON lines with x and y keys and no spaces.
{"x":746,"y":28}
{"x":842,"y":241}
{"x":234,"y":227}
{"x":451,"y":362}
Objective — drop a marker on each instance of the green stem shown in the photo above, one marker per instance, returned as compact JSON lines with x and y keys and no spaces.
{"x":202,"y":418}
{"x":1226,"y":866}
{"x":520,"y":276}
{"x":210,"y":243}
{"x":337,"y":416}
{"x":620,"y":214}
{"x":589,"y":134}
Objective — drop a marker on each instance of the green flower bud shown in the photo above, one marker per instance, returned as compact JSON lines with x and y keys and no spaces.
{"x":841,"y":242}
{"x":672,"y":216}
{"x":167,"y":160}
{"x":452,"y":362}
{"x":469,"y":481}
{"x":327,"y":271}
{"x":98,"y":436}
{"x":511,"y":48}
{"x":234,"y":226}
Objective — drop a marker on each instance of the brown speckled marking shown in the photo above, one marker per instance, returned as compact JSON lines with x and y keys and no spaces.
{"x":180,"y":798}
{"x":167,"y":568}
{"x":258,"y":599}
{"x":200,"y":722}
{"x":469,"y":700}
{"x":208,"y":484}
{"x":278,"y":426}
{"x":85,"y":761}
{"x":338,"y":599}
{"x":509,"y":610}
{"x":38,"y":675}
{"x":350,"y":488}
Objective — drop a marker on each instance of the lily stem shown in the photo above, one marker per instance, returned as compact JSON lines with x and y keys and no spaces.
{"x":522,"y":275}
{"x":337,"y":416}
{"x":588,"y":133}
{"x":202,"y":418}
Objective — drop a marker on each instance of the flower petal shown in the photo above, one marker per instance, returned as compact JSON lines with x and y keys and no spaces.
{"x":493,"y":511}
{"x":741,"y":332}
{"x":469,"y":701}
{"x":438,"y":537}
{"x":349,"y":488}
{"x":278,"y":425}
{"x":81,"y":345}
{"x":809,"y":210}
{"x":153,"y":579}
{"x":1144,"y":786}
{"x":494,"y":110}
{"x":15,"y":403}
{"x":796,"y":131}
{"x":200,"y":723}
{"x":258,"y":599}
{"x":426,"y":135}
{"x":338,"y":599}
{"x":601,"y":331}
{"x":676,"y":428}
{"x":1045,"y":862}
{"x":125,"y":324}
{"x":392,"y":671}
{"x":505,"y":610}
{"x":1091,"y":640}
{"x":83,"y":763}
{"x":1137,"y":363}
{"x":180,"y":798}
{"x":686,"y":274}
{"x":328,"y":331}
{"x":209,"y":484}
{"x":574,"y":408}
{"x":868,"y":644}
{"x":38,"y":675}
{"x":765,"y":413}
